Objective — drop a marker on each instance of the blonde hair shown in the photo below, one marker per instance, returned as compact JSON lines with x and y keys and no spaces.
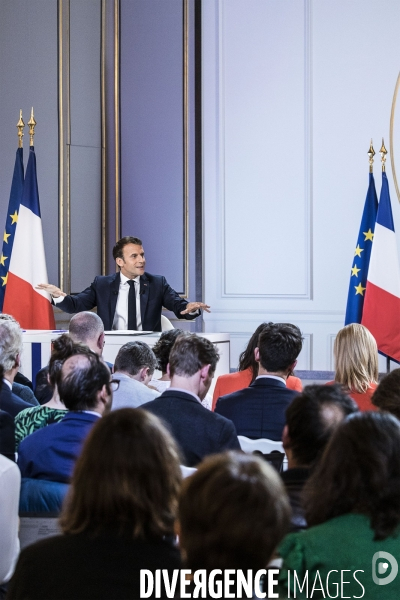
{"x":356,"y":358}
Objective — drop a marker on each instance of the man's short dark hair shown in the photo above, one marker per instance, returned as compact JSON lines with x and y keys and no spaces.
{"x":133,"y":356}
{"x":79,"y":387}
{"x":312,"y":417}
{"x":163,"y":347}
{"x":190,"y":353}
{"x":279,"y":345}
{"x":387,"y":394}
{"x":119,"y":246}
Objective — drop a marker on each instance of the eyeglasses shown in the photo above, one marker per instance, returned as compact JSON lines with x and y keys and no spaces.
{"x":114,"y":384}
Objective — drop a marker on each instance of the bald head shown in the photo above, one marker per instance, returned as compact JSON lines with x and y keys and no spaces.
{"x":87,"y":328}
{"x":85,"y":383}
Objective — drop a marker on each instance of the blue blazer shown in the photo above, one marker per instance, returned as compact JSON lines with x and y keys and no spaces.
{"x":103,"y":293}
{"x":10,"y":402}
{"x":50,"y":453}
{"x":258,"y":411}
{"x":198,"y":431}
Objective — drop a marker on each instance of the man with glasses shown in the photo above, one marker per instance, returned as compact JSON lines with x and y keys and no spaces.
{"x":85,"y":387}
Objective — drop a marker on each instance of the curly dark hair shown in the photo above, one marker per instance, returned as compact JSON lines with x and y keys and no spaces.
{"x":164,"y":346}
{"x":359,"y":472}
{"x":387,"y":394}
{"x":62,"y":348}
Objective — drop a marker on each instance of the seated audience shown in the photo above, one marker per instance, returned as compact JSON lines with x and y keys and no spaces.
{"x":10,"y":481}
{"x":7,"y":436}
{"x":247,"y":371}
{"x":356,"y":363}
{"x":31,"y":419}
{"x":84,"y":328}
{"x":21,"y":382}
{"x":352,"y":506}
{"x":133,"y":368}
{"x":387,"y":395}
{"x":198,"y":431}
{"x":258,"y":411}
{"x":162,"y":350}
{"x":85,"y":388}
{"x":117,"y":519}
{"x":233,"y":512}
{"x":10,"y":360}
{"x":311,"y":419}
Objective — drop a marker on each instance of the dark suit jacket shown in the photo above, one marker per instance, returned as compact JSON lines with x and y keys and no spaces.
{"x":10,"y":402}
{"x":294,"y":481}
{"x":103,"y":293}
{"x":198,"y":431}
{"x":258,"y":411}
{"x":7,"y":435}
{"x":50,"y":453}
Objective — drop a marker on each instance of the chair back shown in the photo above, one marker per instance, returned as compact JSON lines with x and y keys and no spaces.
{"x":271,"y":451}
{"x":166,"y":324}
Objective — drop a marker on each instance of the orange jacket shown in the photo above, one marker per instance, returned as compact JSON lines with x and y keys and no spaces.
{"x":363,"y":399}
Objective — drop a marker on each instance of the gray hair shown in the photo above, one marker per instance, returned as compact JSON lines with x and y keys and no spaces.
{"x":133,"y":356}
{"x":85,"y":326}
{"x":10,"y":342}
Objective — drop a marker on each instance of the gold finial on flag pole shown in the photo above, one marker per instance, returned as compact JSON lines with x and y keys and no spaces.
{"x":20,"y":126}
{"x":383,"y":153}
{"x":32,"y":125}
{"x":371,"y":154}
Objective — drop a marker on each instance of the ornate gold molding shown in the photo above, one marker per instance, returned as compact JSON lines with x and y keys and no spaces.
{"x":396,"y":89}
{"x":103,"y":141}
{"x":186,"y":142}
{"x":116,"y":117}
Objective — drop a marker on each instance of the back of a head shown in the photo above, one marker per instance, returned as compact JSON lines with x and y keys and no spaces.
{"x":246,"y":359}
{"x":312,"y":417}
{"x":356,"y":357}
{"x":359,"y":472}
{"x":387,"y":394}
{"x":62,"y":348}
{"x":134,"y":356}
{"x":82,"y":377}
{"x":85,"y":327}
{"x":279,"y":345}
{"x":127,"y":477}
{"x":233,"y":512}
{"x":10,"y":342}
{"x":190,"y":353}
{"x":163,"y":347}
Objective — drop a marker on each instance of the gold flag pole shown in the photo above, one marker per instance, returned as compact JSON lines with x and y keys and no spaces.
{"x":383,"y":153}
{"x":32,"y":125}
{"x":20,"y":126}
{"x":371,"y":154}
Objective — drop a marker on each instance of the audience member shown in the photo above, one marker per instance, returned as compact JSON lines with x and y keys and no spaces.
{"x":198,"y":431}
{"x":20,"y":379}
{"x":10,"y":481}
{"x":7,"y":436}
{"x":84,"y":328}
{"x":387,"y":394}
{"x":162,"y":350}
{"x":356,"y":363}
{"x":118,"y":517}
{"x":352,"y":505}
{"x":233,"y":512}
{"x":85,"y":388}
{"x":31,"y":419}
{"x":259,"y":410}
{"x":311,"y":418}
{"x":133,"y":368}
{"x":10,"y":360}
{"x":247,"y":371}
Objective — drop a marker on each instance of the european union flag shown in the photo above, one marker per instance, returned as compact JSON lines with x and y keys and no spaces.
{"x":17,"y":187}
{"x":362,"y":254}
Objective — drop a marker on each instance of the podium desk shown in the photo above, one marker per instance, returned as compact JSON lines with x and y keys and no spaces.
{"x":37,"y":348}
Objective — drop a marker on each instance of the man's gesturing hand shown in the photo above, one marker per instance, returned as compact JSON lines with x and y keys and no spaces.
{"x":51,"y":289}
{"x":192,"y":306}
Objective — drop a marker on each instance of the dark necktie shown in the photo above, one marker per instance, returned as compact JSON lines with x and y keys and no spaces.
{"x":132,"y":305}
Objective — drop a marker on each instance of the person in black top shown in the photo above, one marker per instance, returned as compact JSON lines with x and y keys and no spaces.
{"x":118,"y":518}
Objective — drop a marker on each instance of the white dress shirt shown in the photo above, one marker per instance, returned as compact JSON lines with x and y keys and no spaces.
{"x":121,"y":310}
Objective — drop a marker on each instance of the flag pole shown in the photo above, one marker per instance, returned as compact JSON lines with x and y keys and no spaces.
{"x":371,"y":154}
{"x":383,"y":153}
{"x":20,"y":126}
{"x":32,"y":125}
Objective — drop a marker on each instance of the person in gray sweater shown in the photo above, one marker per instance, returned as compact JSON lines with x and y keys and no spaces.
{"x":133,"y":368}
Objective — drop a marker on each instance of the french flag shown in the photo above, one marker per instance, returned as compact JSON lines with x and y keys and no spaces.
{"x":30,"y":307}
{"x":381,"y":312}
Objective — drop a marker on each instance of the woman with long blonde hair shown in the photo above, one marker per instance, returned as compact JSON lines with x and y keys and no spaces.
{"x":356,"y":363}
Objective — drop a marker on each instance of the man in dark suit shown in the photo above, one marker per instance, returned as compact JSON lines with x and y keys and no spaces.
{"x":198,"y":431}
{"x":258,"y":411}
{"x":10,"y":361}
{"x":85,"y":388}
{"x":130,"y":299}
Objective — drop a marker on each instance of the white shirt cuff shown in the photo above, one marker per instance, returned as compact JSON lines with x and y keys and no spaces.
{"x":57,"y":300}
